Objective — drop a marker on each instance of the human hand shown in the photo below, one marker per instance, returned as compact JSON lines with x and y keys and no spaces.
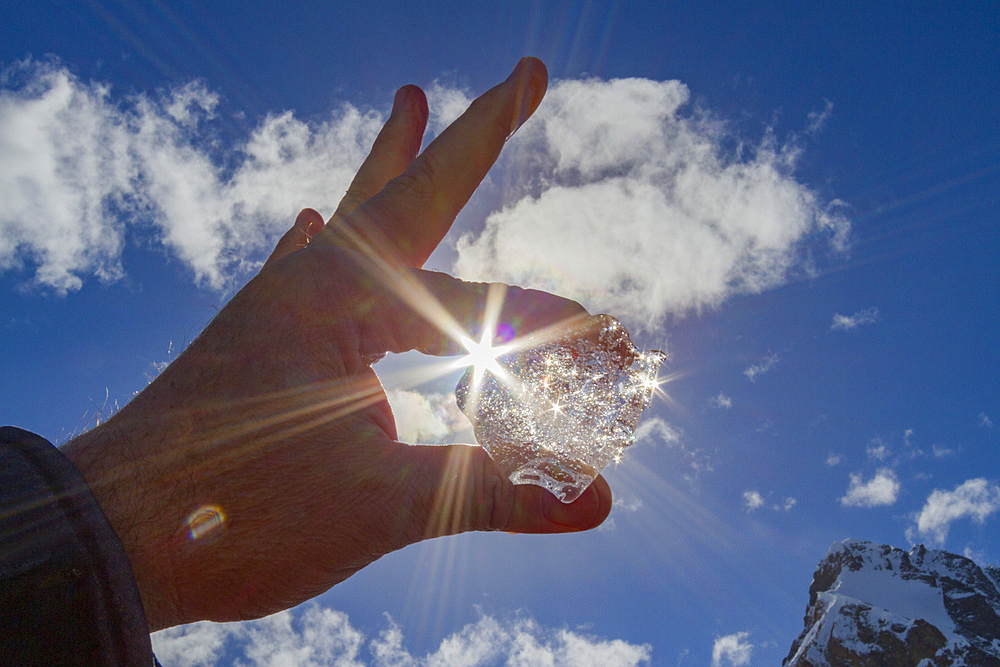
{"x":273,"y":419}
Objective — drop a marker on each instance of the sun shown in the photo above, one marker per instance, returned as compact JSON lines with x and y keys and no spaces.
{"x":483,"y":356}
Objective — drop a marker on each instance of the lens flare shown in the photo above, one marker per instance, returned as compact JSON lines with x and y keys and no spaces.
{"x":205,"y":520}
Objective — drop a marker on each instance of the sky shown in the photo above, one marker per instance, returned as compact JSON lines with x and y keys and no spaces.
{"x":799,"y":202}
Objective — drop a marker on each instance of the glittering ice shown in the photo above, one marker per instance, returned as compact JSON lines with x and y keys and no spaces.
{"x":562,"y":409}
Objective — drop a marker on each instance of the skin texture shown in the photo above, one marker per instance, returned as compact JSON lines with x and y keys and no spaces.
{"x":274,"y":418}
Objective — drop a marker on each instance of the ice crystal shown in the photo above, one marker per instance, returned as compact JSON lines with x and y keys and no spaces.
{"x":561,"y":409}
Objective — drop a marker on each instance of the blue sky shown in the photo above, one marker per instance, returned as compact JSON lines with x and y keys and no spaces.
{"x":799,"y":202}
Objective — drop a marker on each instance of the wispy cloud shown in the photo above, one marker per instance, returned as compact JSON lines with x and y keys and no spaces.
{"x":315,"y":636}
{"x":985,"y":421}
{"x":818,"y":119}
{"x":848,"y":322}
{"x":693,"y":462}
{"x":833,"y":459}
{"x":721,"y":401}
{"x":882,"y":489}
{"x":752,"y":500}
{"x":765,"y":366}
{"x":877,"y":450}
{"x":636,"y":207}
{"x":733,"y":650}
{"x":974,"y":498}
{"x":940,"y":451}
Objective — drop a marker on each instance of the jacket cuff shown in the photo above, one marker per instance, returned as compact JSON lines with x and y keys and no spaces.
{"x":67,"y":592}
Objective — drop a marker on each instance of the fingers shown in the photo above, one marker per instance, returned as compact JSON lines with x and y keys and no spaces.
{"x":413,"y":212}
{"x":393,"y":151}
{"x":307,"y":224}
{"x":433,"y":312}
{"x":458,"y":488}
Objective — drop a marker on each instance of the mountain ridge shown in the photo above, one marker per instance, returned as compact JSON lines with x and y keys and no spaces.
{"x":873,"y":604}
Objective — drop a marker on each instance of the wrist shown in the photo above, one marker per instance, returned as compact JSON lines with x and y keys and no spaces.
{"x":121,"y":481}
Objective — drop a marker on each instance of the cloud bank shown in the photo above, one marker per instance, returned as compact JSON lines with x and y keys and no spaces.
{"x":81,"y":172}
{"x":639,"y":207}
{"x":623,"y":198}
{"x":318,"y":636}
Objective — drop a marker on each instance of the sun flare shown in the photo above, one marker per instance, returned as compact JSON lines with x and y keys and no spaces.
{"x":482,"y":356}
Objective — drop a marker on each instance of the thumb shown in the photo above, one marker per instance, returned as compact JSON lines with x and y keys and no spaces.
{"x":457,"y":488}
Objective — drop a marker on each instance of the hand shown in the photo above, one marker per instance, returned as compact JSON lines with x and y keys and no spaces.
{"x":272,"y":424}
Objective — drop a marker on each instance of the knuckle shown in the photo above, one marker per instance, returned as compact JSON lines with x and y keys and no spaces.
{"x":419,"y":181}
{"x":353,"y":198}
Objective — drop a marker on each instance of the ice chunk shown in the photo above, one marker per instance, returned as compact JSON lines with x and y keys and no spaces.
{"x":562,"y":409}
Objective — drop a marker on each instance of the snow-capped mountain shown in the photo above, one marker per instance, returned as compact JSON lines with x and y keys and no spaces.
{"x":871,"y":604}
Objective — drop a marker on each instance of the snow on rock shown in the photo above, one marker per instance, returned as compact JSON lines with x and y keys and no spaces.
{"x":872,"y":604}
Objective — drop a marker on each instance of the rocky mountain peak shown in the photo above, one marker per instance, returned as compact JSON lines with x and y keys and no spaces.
{"x":872,"y":604}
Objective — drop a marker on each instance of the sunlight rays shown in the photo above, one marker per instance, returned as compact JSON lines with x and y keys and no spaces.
{"x":483,"y":355}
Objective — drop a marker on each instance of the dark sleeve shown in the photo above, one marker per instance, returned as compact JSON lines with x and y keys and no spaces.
{"x":67,"y":594}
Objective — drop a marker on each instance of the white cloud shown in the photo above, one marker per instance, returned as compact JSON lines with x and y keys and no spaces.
{"x":765,"y":366}
{"x":318,"y":636}
{"x":732,"y":650}
{"x":878,"y":450}
{"x":882,"y":489}
{"x":445,"y":103}
{"x":940,"y":451}
{"x":833,"y":459}
{"x":86,"y":170}
{"x":752,"y":500}
{"x":974,"y":498}
{"x":818,"y":119}
{"x":83,"y":172}
{"x":721,"y":401}
{"x":620,"y":505}
{"x":430,"y":418}
{"x":655,"y":429}
{"x":651,"y":214}
{"x":194,"y":645}
{"x":628,"y":505}
{"x":975,"y":555}
{"x":985,"y":421}
{"x":848,"y":322}
{"x":635,"y":206}
{"x":314,"y":635}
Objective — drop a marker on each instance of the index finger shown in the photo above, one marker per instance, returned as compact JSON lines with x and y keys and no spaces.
{"x":411,"y":215}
